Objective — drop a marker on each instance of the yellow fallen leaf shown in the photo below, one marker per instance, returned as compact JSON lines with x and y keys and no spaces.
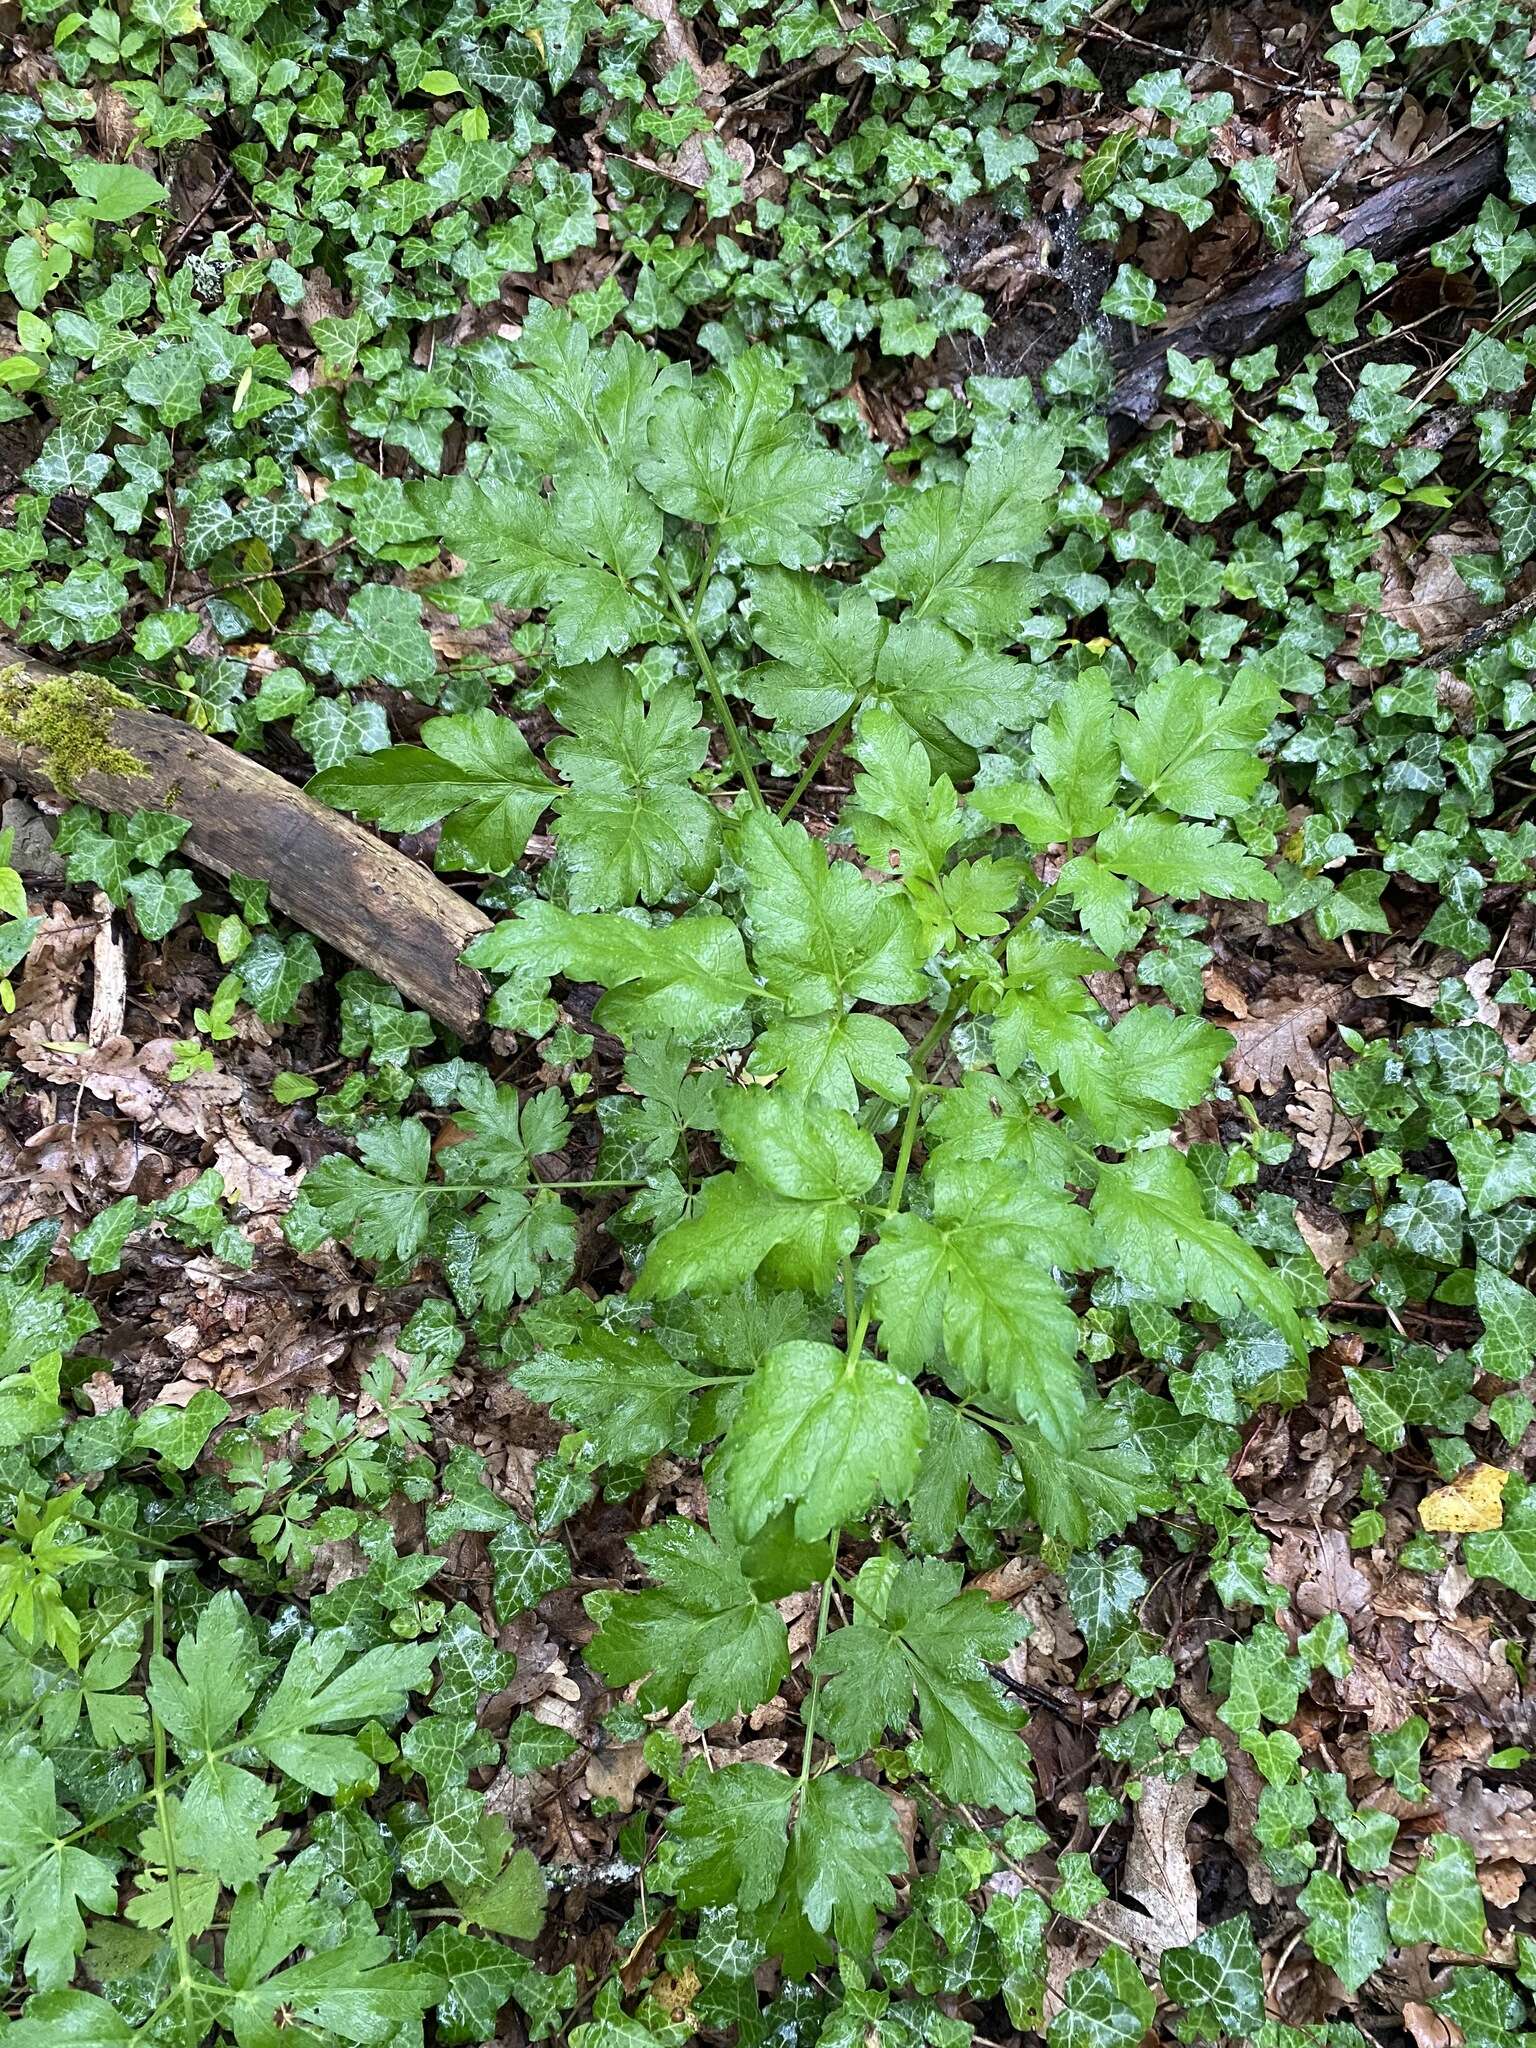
{"x":1473,"y":1501}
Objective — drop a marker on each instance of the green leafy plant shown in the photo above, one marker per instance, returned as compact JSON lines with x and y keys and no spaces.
{"x":1010,"y":986}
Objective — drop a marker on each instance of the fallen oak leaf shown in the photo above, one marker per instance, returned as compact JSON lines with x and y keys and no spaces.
{"x":1327,"y":1135}
{"x":1278,"y":1040}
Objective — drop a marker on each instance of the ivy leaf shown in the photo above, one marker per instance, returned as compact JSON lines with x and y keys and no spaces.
{"x":631,"y":827}
{"x":827,"y":1433}
{"x":1106,"y":1592}
{"x":1093,"y":1487}
{"x":524,"y":1569}
{"x":1152,"y":1221}
{"x":976,"y":1277}
{"x":958,"y":1455}
{"x":1219,"y":1981}
{"x":922,"y":1640}
{"x":333,"y":729}
{"x":473,"y":769}
{"x":1508,"y":1553}
{"x":702,"y":1634}
{"x":1256,"y":179}
{"x":509,"y":1895}
{"x":1196,"y":485}
{"x":447,"y":1845}
{"x":477,"y":1975}
{"x":533,"y":1745}
{"x":159,"y":896}
{"x":114,"y":192}
{"x":1439,"y":1900}
{"x":177,"y":1435}
{"x":274,"y":973}
{"x":170,"y":383}
{"x":382,"y":641}
{"x":1346,"y":1930}
{"x":1507,"y":1346}
{"x":1263,"y":1681}
{"x":1107,"y":2006}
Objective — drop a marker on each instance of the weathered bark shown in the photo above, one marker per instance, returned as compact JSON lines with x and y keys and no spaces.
{"x":371,"y":902}
{"x":1413,"y":209}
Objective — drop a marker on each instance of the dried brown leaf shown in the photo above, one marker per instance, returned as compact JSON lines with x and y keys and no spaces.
{"x":1157,"y":1868}
{"x":1327,"y":1134}
{"x":1278,"y":1040}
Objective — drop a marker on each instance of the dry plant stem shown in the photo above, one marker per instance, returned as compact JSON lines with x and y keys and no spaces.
{"x":371,"y":902}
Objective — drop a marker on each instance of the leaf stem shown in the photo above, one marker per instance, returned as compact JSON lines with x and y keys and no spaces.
{"x":162,"y":1805}
{"x":701,"y":595}
{"x":829,"y":740}
{"x":908,"y":1139}
{"x":813,"y":1697}
{"x":943,"y":1024}
{"x":856,"y":1335}
{"x":722,"y":710}
{"x":527,"y":1187}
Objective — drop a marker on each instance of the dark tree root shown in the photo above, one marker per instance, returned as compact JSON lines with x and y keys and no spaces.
{"x":1414,"y":208}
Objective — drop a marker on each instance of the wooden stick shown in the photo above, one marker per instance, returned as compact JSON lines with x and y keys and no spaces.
{"x":1412,"y":209}
{"x":364,"y":897}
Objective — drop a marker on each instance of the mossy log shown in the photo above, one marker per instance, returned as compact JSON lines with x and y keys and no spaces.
{"x":78,"y":736}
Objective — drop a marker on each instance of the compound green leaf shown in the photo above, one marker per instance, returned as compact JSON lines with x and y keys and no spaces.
{"x":827,"y":1433}
{"x":734,"y":455}
{"x":701,"y":1634}
{"x":953,"y":550}
{"x":473,"y":769}
{"x":926,"y":1643}
{"x":822,"y":937}
{"x":976,"y":1278}
{"x":631,"y":828}
{"x":688,"y":978}
{"x":46,"y":1879}
{"x":1152,"y":1222}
